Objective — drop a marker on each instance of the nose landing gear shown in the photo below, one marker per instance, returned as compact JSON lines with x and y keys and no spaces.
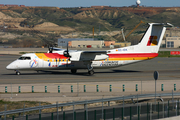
{"x":17,"y":72}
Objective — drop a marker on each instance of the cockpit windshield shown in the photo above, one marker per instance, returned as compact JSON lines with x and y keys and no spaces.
{"x":24,"y":58}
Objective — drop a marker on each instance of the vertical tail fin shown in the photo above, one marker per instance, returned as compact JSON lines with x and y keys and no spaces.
{"x":152,"y":39}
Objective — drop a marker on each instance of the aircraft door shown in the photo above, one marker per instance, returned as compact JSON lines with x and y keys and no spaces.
{"x":41,"y":61}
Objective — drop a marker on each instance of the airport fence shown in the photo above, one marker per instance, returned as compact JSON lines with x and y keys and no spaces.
{"x":79,"y":88}
{"x":133,"y":111}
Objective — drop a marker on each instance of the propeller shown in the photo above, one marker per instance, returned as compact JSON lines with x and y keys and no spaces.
{"x":50,"y":49}
{"x":66,"y":52}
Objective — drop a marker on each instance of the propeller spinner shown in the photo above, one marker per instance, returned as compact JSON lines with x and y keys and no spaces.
{"x":50,"y":49}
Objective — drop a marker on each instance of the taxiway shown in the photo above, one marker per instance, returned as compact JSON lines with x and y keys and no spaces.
{"x":168,"y":68}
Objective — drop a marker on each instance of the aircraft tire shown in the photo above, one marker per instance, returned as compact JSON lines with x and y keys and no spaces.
{"x":91,"y":72}
{"x":73,"y":71}
{"x":18,"y":73}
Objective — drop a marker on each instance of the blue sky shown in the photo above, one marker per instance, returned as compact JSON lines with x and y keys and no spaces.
{"x":88,"y":3}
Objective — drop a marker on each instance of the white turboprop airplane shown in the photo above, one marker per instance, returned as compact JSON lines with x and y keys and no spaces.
{"x":61,"y":59}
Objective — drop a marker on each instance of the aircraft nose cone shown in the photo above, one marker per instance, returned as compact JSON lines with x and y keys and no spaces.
{"x":9,"y":67}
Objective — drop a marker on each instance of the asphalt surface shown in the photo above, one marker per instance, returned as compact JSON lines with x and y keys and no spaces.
{"x":168,"y":68}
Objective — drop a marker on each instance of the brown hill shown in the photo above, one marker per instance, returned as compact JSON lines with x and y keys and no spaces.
{"x":83,"y":19}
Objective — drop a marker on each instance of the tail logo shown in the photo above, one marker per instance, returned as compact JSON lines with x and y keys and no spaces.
{"x":152,"y":41}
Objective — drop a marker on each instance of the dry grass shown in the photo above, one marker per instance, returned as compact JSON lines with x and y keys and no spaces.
{"x":8,"y":105}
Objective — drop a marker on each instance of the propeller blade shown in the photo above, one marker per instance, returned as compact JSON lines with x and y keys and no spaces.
{"x":67,"y":55}
{"x":67,"y":62}
{"x":66,"y":52}
{"x":67,"y":49}
{"x":51,"y":49}
{"x":48,"y":48}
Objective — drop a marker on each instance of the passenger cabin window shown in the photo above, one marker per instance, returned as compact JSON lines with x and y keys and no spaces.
{"x":24,"y":58}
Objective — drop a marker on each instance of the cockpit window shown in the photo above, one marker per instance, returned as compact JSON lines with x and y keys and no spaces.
{"x":24,"y":58}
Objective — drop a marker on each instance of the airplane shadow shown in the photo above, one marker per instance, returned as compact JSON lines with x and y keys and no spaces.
{"x":125,"y":71}
{"x":80,"y":73}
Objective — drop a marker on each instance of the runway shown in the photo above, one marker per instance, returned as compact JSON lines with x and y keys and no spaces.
{"x":168,"y":68}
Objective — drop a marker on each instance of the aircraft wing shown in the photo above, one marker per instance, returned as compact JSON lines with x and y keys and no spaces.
{"x":83,"y":55}
{"x":88,"y":55}
{"x":94,"y":52}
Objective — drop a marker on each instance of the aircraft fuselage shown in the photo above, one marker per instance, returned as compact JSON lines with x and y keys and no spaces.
{"x":43,"y":61}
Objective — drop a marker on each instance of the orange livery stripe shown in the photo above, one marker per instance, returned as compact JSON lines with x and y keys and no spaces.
{"x":132,"y":56}
{"x":129,"y":55}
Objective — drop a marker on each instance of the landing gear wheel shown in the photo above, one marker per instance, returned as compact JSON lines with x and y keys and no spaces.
{"x":73,"y":71}
{"x":91,"y":72}
{"x":18,"y":73}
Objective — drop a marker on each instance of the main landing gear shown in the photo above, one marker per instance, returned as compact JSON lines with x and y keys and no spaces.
{"x":73,"y":71}
{"x":17,"y":72}
{"x":90,"y":70}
